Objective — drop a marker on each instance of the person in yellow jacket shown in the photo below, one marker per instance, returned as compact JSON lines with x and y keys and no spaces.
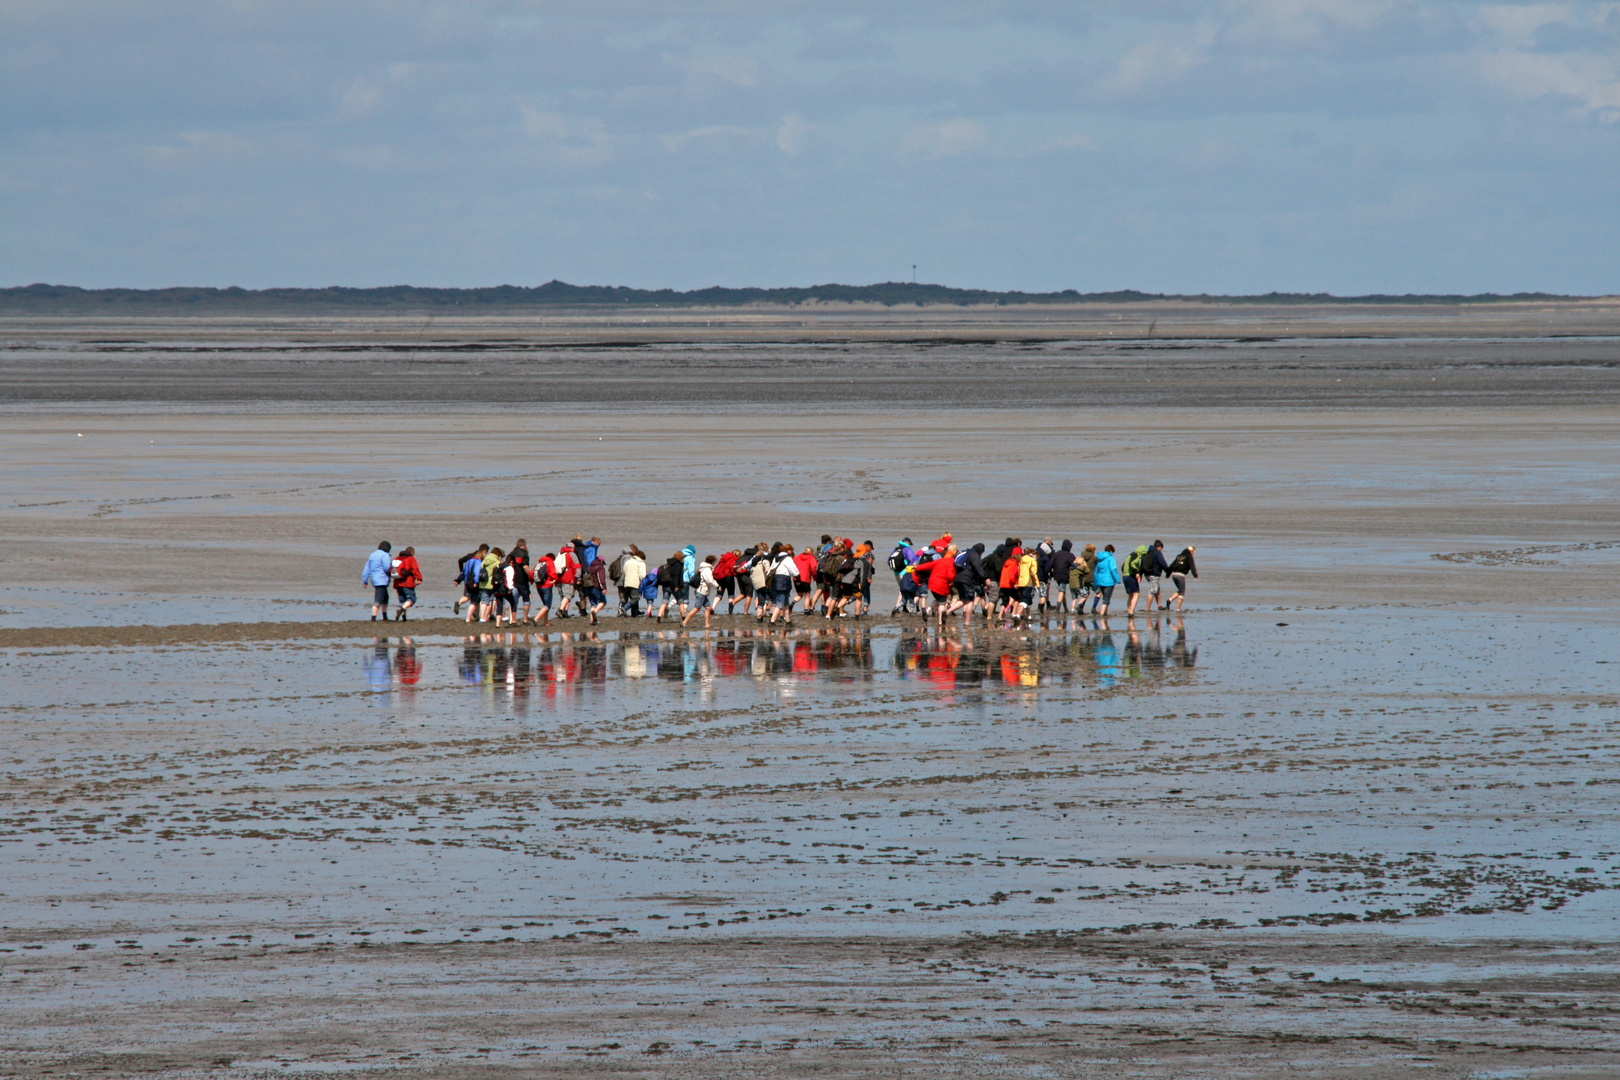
{"x":1028,"y":575}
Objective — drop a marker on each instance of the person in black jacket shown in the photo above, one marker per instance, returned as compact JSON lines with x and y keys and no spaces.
{"x":1058,"y":575}
{"x":1180,"y":567}
{"x":1154,"y":567}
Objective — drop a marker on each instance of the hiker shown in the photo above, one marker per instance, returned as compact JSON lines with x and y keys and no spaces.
{"x":567,"y":576}
{"x":378,"y":572}
{"x":784,"y":572}
{"x":649,"y":583}
{"x":593,"y":583}
{"x":900,"y":559}
{"x":520,"y":578}
{"x":545,"y":587}
{"x":672,"y":585}
{"x":941,"y":572}
{"x":627,"y":571}
{"x":1180,"y":567}
{"x":493,"y":582}
{"x":472,"y":570}
{"x":1151,"y":568}
{"x":1104,"y":576}
{"x":1057,"y":579}
{"x":468,"y":588}
{"x":407,"y":576}
{"x":706,"y":594}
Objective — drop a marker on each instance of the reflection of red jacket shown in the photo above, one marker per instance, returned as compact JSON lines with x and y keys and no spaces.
{"x":409,"y":574}
{"x":941,"y":572}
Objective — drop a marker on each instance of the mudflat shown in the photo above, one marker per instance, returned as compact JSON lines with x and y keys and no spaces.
{"x":1351,"y":814}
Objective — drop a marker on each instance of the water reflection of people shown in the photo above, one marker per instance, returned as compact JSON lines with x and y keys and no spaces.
{"x":1080,"y":654}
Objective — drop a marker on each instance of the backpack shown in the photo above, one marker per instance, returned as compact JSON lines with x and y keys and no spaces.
{"x":1133,"y":561}
{"x":829,"y":567}
{"x":897,"y":558}
{"x":616,"y":568}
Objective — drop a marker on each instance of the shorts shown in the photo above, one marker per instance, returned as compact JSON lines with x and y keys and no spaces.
{"x":1026,"y":594}
{"x":594,"y":596}
{"x":745,"y":584}
{"x":992,"y":591}
{"x":939,"y":597}
{"x":967,"y":592}
{"x":802,"y":588}
{"x":379,"y":595}
{"x":520,"y":593}
{"x":846,"y":589}
{"x":546,"y":593}
{"x":701,"y":600}
{"x":1180,"y":582}
{"x":406,"y":593}
{"x":728,"y":585}
{"x":677,"y":594}
{"x":1105,"y":593}
{"x":1132,"y":585}
{"x":1151,"y":586}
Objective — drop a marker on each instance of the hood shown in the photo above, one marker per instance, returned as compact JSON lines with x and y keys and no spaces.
{"x":688,"y":551}
{"x":1068,"y":545}
{"x":979,"y":547}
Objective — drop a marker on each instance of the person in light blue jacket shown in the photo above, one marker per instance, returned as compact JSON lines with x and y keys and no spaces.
{"x":1104,"y":578}
{"x":689,"y":564}
{"x":378,"y":573}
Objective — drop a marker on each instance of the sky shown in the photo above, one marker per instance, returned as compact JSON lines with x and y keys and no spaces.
{"x":1347,"y":146}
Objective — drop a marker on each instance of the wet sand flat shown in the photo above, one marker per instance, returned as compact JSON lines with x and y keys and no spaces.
{"x":1353,"y":814}
{"x":1338,"y":846}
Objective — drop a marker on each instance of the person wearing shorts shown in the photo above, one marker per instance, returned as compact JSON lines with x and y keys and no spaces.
{"x":467,"y":587}
{"x":1181,"y":566}
{"x":520,"y":564}
{"x":378,"y":572}
{"x":632,"y":568}
{"x":1104,"y":576}
{"x":707,"y":594}
{"x":407,"y":576}
{"x":471,"y":571}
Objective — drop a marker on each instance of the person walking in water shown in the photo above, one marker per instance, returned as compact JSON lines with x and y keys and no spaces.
{"x":1180,"y":567}
{"x":407,"y":576}
{"x":379,"y":573}
{"x":1104,"y":576}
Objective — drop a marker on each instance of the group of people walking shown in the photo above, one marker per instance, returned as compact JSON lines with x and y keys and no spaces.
{"x":830,"y":579}
{"x":1013,"y":582}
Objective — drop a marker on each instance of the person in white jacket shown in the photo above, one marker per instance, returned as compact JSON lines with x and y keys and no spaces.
{"x":707,"y":593}
{"x":632,"y":569}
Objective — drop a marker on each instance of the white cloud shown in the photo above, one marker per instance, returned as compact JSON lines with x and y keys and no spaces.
{"x":736,"y":70}
{"x":945,"y":139}
{"x":1067,"y":142}
{"x":571,"y":140}
{"x":791,"y":135}
{"x":728,"y":133}
{"x":1158,"y":62}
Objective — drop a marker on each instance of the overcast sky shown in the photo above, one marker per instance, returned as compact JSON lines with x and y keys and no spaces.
{"x":1299,"y":145}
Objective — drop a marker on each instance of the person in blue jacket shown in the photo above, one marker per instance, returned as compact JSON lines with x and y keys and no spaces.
{"x":378,"y":573}
{"x":1103,"y":579}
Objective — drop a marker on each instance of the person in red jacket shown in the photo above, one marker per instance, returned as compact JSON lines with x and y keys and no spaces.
{"x":806,"y":562}
{"x":407,"y":576}
{"x":941,"y":572}
{"x":1009,"y":577}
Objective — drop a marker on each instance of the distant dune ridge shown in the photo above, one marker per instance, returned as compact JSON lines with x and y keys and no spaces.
{"x":42,"y":299}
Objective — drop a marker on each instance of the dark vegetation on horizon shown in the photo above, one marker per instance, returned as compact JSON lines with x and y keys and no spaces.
{"x":65,"y":299}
